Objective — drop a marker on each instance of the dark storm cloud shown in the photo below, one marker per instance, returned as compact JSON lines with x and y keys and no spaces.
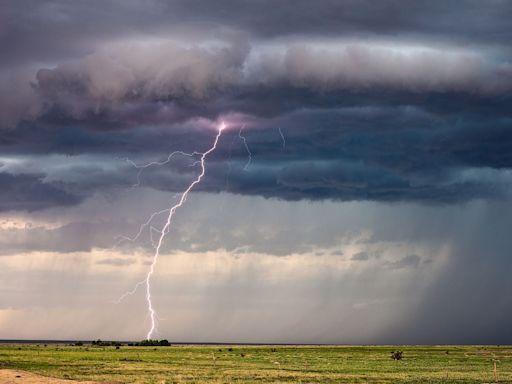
{"x":467,"y":20}
{"x":66,"y":29}
{"x":116,"y":83}
{"x":390,"y":101}
{"x":30,"y":192}
{"x":87,"y":56}
{"x":355,"y":153}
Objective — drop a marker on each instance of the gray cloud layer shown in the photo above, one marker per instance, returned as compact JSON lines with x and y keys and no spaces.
{"x":141,"y":72}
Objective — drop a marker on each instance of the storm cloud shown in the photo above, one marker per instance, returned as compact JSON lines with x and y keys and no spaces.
{"x":374,"y":106}
{"x":379,"y":136}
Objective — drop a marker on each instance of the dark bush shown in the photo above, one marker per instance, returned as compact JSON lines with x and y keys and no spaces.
{"x":152,"y":343}
{"x":100,"y":343}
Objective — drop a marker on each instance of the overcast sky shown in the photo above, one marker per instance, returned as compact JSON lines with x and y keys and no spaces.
{"x":361,"y":192}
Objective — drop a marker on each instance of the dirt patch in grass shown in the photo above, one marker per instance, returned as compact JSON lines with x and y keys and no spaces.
{"x":10,"y":376}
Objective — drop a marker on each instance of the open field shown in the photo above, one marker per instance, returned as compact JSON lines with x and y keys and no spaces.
{"x":261,"y":364}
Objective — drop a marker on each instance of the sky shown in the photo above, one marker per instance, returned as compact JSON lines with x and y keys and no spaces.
{"x":360,"y":193}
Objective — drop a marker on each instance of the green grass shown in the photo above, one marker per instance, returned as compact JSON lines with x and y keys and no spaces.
{"x":259,"y":364}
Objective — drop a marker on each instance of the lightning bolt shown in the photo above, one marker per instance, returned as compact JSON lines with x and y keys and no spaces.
{"x":141,"y":167}
{"x":244,"y":140}
{"x":130,"y":293}
{"x":282,"y":136}
{"x":141,"y":229}
{"x":166,"y":228}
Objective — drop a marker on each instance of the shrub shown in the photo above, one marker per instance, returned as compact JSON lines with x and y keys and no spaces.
{"x":100,"y":343}
{"x":152,"y":343}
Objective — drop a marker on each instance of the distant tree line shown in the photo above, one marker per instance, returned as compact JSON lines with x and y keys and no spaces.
{"x":151,"y":343}
{"x":100,"y":343}
{"x":143,"y":343}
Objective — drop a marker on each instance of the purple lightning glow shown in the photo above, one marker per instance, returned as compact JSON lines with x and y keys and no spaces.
{"x":165,"y":229}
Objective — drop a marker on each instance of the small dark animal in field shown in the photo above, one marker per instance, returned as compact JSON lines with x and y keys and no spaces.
{"x":118,"y":347}
{"x":230,"y":349}
{"x":242,"y":354}
{"x":397,"y":355}
{"x":220,"y":350}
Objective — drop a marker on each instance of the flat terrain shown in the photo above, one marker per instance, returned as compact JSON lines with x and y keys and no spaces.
{"x":256,"y":364}
{"x":10,"y":376}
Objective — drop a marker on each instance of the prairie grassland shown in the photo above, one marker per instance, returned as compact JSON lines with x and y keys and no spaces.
{"x":264,"y":364}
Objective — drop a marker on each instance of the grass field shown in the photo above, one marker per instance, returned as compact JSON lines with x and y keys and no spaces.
{"x":263,"y":364}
